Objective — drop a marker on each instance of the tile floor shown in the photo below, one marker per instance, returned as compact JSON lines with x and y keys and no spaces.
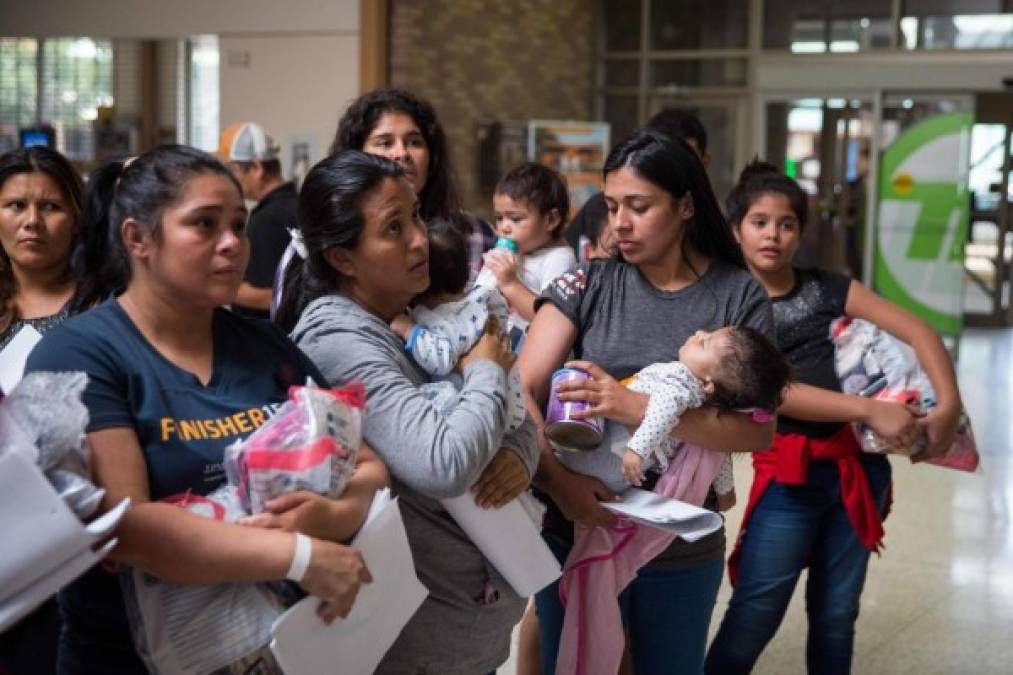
{"x":940,"y":599}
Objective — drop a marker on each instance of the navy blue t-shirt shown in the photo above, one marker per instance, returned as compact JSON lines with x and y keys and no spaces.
{"x":183,"y":428}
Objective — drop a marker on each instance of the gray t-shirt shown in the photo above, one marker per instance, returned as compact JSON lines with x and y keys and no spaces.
{"x":625,"y":324}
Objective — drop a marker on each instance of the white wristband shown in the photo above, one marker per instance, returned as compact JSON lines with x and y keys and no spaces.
{"x":301,"y":558}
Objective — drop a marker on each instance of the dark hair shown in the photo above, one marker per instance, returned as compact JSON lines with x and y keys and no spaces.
{"x":105,"y":272}
{"x":448,"y":259}
{"x":678,"y":123}
{"x":540,"y":186}
{"x":38,"y":159}
{"x":142,"y":189}
{"x":753,"y":373}
{"x":589,"y":222}
{"x":330,"y":216}
{"x":439,"y":197}
{"x":762,"y":178}
{"x":672,"y":165}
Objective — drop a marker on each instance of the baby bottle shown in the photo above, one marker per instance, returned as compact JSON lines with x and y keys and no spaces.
{"x":486,"y":277}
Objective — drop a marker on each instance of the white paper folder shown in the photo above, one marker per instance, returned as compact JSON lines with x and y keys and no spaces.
{"x":46,"y":546}
{"x":509,"y":539}
{"x":684,"y":520}
{"x":305,"y":645}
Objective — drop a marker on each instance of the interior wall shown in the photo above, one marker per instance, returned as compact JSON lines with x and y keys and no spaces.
{"x":291,"y":66}
{"x":295,"y":86}
{"x":178,"y":18}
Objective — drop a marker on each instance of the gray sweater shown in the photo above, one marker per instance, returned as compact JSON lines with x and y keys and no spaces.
{"x":430,"y":456}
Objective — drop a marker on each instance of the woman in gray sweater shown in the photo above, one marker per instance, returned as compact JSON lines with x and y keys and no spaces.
{"x":367,"y":257}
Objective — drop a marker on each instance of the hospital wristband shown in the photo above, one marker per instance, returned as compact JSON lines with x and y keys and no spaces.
{"x":300,"y":559}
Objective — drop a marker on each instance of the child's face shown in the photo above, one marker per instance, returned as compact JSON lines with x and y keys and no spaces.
{"x":769,"y":233}
{"x":704,"y":352}
{"x":520,"y":220}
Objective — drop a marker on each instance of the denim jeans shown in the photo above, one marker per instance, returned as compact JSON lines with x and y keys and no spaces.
{"x":667,"y":613}
{"x":792,"y":526}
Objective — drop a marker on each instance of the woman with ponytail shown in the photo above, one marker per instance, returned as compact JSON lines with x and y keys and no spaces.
{"x":173,"y":378}
{"x":816,"y":500}
{"x":678,"y":271}
{"x":367,"y":257}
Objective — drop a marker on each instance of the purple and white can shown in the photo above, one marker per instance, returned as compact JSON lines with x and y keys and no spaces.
{"x":565,"y":432}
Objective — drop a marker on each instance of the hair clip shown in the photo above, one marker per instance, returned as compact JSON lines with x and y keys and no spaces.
{"x":761,"y":416}
{"x":297,"y":243}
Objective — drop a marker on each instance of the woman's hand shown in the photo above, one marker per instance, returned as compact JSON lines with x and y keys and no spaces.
{"x":895,"y":423}
{"x":301,"y":511}
{"x":492,"y":346}
{"x":940,"y":427}
{"x":503,"y":266}
{"x":502,"y":480}
{"x":605,"y":395}
{"x":334,"y":575}
{"x":578,"y":497}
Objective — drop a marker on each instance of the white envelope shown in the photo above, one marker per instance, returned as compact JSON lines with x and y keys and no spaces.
{"x":679,"y":518}
{"x":305,"y":645}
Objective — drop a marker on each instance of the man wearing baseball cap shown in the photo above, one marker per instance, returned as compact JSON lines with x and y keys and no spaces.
{"x":252,"y":156}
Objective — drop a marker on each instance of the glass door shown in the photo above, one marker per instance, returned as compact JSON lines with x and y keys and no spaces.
{"x":989,"y":248}
{"x":825,"y":144}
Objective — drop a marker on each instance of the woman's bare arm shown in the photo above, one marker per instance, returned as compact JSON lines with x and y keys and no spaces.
{"x":180,"y":547}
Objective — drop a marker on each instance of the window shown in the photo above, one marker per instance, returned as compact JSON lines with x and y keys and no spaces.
{"x":817,"y":26}
{"x":688,"y":54}
{"x":59,"y":82}
{"x":622,"y":21}
{"x":957,"y":24}
{"x":18,"y":89}
{"x":699,"y":24}
{"x":202,"y":130}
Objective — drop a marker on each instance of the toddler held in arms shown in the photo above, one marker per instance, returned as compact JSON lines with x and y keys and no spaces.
{"x":446,"y":321}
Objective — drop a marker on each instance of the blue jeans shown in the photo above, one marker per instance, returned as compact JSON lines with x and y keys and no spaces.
{"x":667,"y":612}
{"x":792,"y":526}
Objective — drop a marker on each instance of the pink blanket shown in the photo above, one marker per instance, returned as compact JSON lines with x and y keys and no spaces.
{"x":604,"y":561}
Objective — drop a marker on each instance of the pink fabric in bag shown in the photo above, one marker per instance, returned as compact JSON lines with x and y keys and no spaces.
{"x":603,"y":561}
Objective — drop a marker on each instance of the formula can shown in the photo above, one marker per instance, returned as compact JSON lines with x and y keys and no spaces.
{"x":565,"y":432}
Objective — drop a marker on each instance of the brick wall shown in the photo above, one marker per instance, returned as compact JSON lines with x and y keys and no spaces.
{"x":479,"y":61}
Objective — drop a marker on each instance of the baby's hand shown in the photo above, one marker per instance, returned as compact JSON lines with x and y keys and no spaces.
{"x":402,"y":325}
{"x":503,"y":266}
{"x":633,"y":468}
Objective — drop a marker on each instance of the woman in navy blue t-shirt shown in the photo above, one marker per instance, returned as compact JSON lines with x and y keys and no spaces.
{"x":173,"y":380}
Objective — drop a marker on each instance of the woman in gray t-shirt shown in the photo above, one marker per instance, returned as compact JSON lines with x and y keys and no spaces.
{"x":679,"y":271}
{"x":367,"y":258}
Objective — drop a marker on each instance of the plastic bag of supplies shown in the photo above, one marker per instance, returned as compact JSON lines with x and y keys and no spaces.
{"x":310,"y":444}
{"x":871,"y":362}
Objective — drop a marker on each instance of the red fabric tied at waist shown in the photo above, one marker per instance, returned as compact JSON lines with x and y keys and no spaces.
{"x":787,"y":462}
